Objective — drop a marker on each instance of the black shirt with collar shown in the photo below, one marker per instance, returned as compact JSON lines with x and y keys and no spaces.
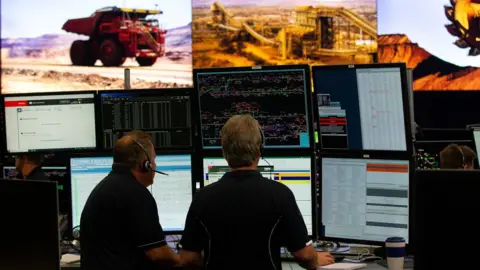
{"x":244,"y":215}
{"x":37,"y":174}
{"x":118,"y":224}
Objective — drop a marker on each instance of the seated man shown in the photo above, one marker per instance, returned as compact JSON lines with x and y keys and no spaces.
{"x":29,"y":167}
{"x":242,"y":221}
{"x":456,"y":156}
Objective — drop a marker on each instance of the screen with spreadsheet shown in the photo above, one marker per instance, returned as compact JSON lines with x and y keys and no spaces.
{"x":165,"y":114}
{"x":365,"y":199}
{"x":361,"y":108}
{"x":173,"y":193}
{"x":476,"y":138}
{"x":294,"y":172}
{"x":276,"y":98}
{"x":36,"y":123}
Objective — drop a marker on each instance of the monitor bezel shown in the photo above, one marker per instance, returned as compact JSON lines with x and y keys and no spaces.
{"x":273,"y":153}
{"x":411,"y":225}
{"x":194,"y":119}
{"x":308,"y":98}
{"x":406,"y":109}
{"x":194,"y":172}
{"x":60,"y":150}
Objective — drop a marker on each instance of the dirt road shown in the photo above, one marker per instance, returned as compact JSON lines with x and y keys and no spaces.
{"x":27,"y":75}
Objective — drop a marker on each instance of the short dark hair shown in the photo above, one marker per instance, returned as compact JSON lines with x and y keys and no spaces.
{"x":452,"y":157}
{"x":34,"y":158}
{"x":128,"y":153}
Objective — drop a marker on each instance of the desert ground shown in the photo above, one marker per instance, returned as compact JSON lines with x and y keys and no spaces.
{"x":27,"y":75}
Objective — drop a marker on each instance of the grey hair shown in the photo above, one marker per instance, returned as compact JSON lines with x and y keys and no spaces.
{"x":241,"y":139}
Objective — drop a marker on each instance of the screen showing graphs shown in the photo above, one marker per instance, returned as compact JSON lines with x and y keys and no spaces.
{"x":294,"y":172}
{"x":361,"y":108}
{"x":173,"y":193}
{"x":276,"y":98}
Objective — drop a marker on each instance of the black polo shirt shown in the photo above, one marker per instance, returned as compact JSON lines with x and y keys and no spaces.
{"x":37,"y":174}
{"x":118,"y":224}
{"x":242,"y":221}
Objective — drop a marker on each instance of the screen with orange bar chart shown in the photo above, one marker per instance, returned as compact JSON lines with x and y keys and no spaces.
{"x":365,"y":200}
{"x":294,"y":172}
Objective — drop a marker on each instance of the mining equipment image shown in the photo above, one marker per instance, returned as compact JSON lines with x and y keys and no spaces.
{"x":237,"y":35}
{"x":116,"y":34}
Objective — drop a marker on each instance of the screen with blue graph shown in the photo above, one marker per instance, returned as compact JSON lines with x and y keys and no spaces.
{"x":173,"y":193}
{"x":294,"y":172}
{"x":276,"y":98}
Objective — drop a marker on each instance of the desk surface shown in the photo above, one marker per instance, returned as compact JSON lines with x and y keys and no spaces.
{"x":285,"y":266}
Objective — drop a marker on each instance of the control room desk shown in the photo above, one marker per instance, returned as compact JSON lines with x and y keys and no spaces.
{"x":285,"y":266}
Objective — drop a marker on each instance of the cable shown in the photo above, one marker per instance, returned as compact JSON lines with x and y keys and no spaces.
{"x":269,"y":165}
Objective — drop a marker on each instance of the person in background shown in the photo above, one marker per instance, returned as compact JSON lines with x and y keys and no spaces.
{"x":245,"y":215}
{"x":29,"y":167}
{"x":119,"y":226}
{"x":456,"y":156}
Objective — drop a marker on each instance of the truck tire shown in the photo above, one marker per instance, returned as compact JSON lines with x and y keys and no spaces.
{"x":146,"y":61}
{"x":111,"y":53}
{"x":80,"y":54}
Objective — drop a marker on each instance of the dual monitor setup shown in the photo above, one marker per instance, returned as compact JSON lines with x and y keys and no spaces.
{"x":342,"y":145}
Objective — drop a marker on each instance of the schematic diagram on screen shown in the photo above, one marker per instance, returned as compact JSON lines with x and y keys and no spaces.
{"x":277,"y":99}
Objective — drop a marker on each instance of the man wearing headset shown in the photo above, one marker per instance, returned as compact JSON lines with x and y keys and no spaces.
{"x":119,"y":227}
{"x":456,"y":156}
{"x":245,"y":214}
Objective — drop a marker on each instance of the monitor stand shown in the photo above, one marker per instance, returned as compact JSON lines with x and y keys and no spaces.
{"x":327,"y":246}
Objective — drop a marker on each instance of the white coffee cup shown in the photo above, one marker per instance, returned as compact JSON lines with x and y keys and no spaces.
{"x":395,"y":249}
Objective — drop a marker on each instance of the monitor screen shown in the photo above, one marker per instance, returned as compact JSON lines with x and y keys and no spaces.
{"x":476,"y":138}
{"x":173,"y":193}
{"x":166,"y":115}
{"x":365,"y":200}
{"x":276,"y":98}
{"x":9,"y":172}
{"x":50,"y":122}
{"x":294,"y":172}
{"x":360,"y":108}
{"x":25,"y":205}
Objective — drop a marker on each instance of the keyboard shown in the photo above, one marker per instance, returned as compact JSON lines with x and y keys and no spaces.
{"x":287,"y":256}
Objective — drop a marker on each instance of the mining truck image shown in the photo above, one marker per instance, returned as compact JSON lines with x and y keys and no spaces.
{"x":115,"y":34}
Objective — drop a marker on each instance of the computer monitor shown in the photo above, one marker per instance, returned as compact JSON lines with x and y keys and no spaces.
{"x":30,"y":233}
{"x":9,"y":172}
{"x":364,"y":200}
{"x":166,"y":114}
{"x":411,"y":103}
{"x":476,"y":138}
{"x":173,"y":193}
{"x":362,"y":107}
{"x":444,"y":201}
{"x":49,"y":122}
{"x":294,"y":172}
{"x":58,"y":174}
{"x":278,"y":97}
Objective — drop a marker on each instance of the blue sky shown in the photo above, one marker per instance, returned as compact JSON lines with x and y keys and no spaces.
{"x":423,"y":21}
{"x":32,"y":18}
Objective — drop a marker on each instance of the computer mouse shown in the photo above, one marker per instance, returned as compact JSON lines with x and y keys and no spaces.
{"x":338,"y":258}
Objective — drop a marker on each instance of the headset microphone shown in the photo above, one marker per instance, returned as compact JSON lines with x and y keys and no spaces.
{"x":159,"y":172}
{"x":262,"y":150}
